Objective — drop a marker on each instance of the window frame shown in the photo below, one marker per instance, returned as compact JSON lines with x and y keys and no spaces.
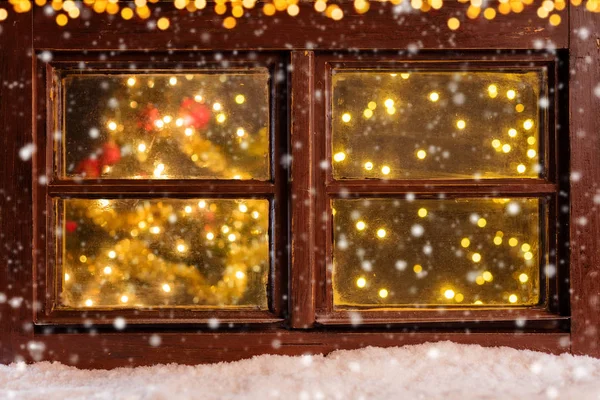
{"x":553,"y":297}
{"x":32,"y":33}
{"x":46,"y":204}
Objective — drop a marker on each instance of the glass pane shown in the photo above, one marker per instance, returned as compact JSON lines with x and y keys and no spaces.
{"x":167,"y":126}
{"x":445,"y":125}
{"x":172,"y":252}
{"x":462,"y":252}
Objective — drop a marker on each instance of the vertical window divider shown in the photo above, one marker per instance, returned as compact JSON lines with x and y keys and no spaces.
{"x":302,"y":264}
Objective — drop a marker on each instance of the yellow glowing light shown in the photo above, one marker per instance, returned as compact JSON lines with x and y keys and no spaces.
{"x":368,"y":113}
{"x":372,"y":105}
{"x":3,"y":14}
{"x":525,"y":247}
{"x":496,"y":143}
{"x":381,"y":233}
{"x":453,"y":23}
{"x":385,"y":170}
{"x":112,"y":254}
{"x":107,"y":270}
{"x":160,"y":168}
{"x":360,"y":225}
{"x":521,"y":168}
{"x":511,"y":94}
{"x":434,"y":96}
{"x":528,"y":256}
{"x":231,"y":237}
{"x":124,"y":299}
{"x":519,"y":107}
{"x":240,"y":99}
{"x":210,"y":236}
{"x":187,"y":209}
{"x":361,"y":282}
{"x":159,"y":123}
{"x":555,"y":19}
{"x":531,"y":140}
{"x":383,"y":293}
{"x":512,"y":132}
{"x":67,"y":277}
{"x":497,"y":240}
{"x":513,"y":298}
{"x":479,"y":280}
{"x":422,"y":212}
{"x":112,"y":125}
{"x":506,"y":148}
{"x":243,"y":208}
{"x":391,"y":110}
{"x":166,"y":288}
{"x":188,"y":131}
{"x":465,"y":242}
{"x":61,"y":19}
{"x":531,"y":153}
{"x":155,"y":230}
{"x":449,"y":294}
{"x":461,"y":124}
{"x":225,"y":229}
{"x":198,"y":98}
{"x":179,"y":122}
{"x":459,"y":297}
{"x":492,"y":91}
{"x":368,"y":165}
{"x":181,"y":248}
{"x":421,"y":154}
{"x":478,"y":302}
{"x":512,"y":242}
{"x":126,"y":13}
{"x":417,"y":268}
{"x":167,"y":119}
{"x":481,"y":222}
{"x":476,"y":257}
{"x":239,"y":275}
{"x":339,"y":157}
{"x":389,"y":103}
{"x":221,"y":118}
{"x":217,"y":106}
{"x":131,"y":81}
{"x":202,"y":204}
{"x":346,"y":117}
{"x":405,"y":75}
{"x":528,"y":124}
{"x":523,"y":278}
{"x":163,"y":23}
{"x":89,"y":303}
{"x":487,"y":276}
{"x":83,"y":259}
{"x":255,"y":214}
{"x":172,"y":81}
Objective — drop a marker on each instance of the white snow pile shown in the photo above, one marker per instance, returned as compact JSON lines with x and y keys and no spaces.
{"x":441,"y":370}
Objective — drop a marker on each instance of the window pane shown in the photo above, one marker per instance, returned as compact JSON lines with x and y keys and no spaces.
{"x":446,"y":125}
{"x":167,"y":126}
{"x":461,"y":252}
{"x":172,"y":252}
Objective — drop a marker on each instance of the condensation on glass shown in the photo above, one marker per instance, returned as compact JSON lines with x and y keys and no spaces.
{"x":453,"y":252}
{"x":211,"y":253}
{"x":210,"y":125}
{"x":437,"y":125}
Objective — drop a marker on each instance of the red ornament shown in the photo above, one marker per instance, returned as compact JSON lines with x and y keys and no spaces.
{"x":111,"y":154}
{"x":147,"y":116}
{"x":89,"y":168}
{"x":71,"y":226}
{"x":194,"y":114}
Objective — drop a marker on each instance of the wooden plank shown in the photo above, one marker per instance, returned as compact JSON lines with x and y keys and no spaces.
{"x":584,"y":103}
{"x":302,"y":301}
{"x":500,"y":188}
{"x":105,"y":350}
{"x":15,"y":184}
{"x":383,"y":27}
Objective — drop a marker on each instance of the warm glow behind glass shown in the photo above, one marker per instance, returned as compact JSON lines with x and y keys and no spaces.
{"x":167,"y":126}
{"x":444,"y":125}
{"x":455,"y":252}
{"x":172,"y":252}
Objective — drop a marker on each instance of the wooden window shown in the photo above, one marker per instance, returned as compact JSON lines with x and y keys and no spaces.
{"x":165,"y":203}
{"x":438,"y":189}
{"x":422,"y":171}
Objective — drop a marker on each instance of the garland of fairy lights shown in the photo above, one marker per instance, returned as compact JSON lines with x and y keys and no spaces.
{"x":63,"y":10}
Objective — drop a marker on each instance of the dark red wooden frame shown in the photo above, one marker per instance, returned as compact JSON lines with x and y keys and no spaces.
{"x":33,"y":33}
